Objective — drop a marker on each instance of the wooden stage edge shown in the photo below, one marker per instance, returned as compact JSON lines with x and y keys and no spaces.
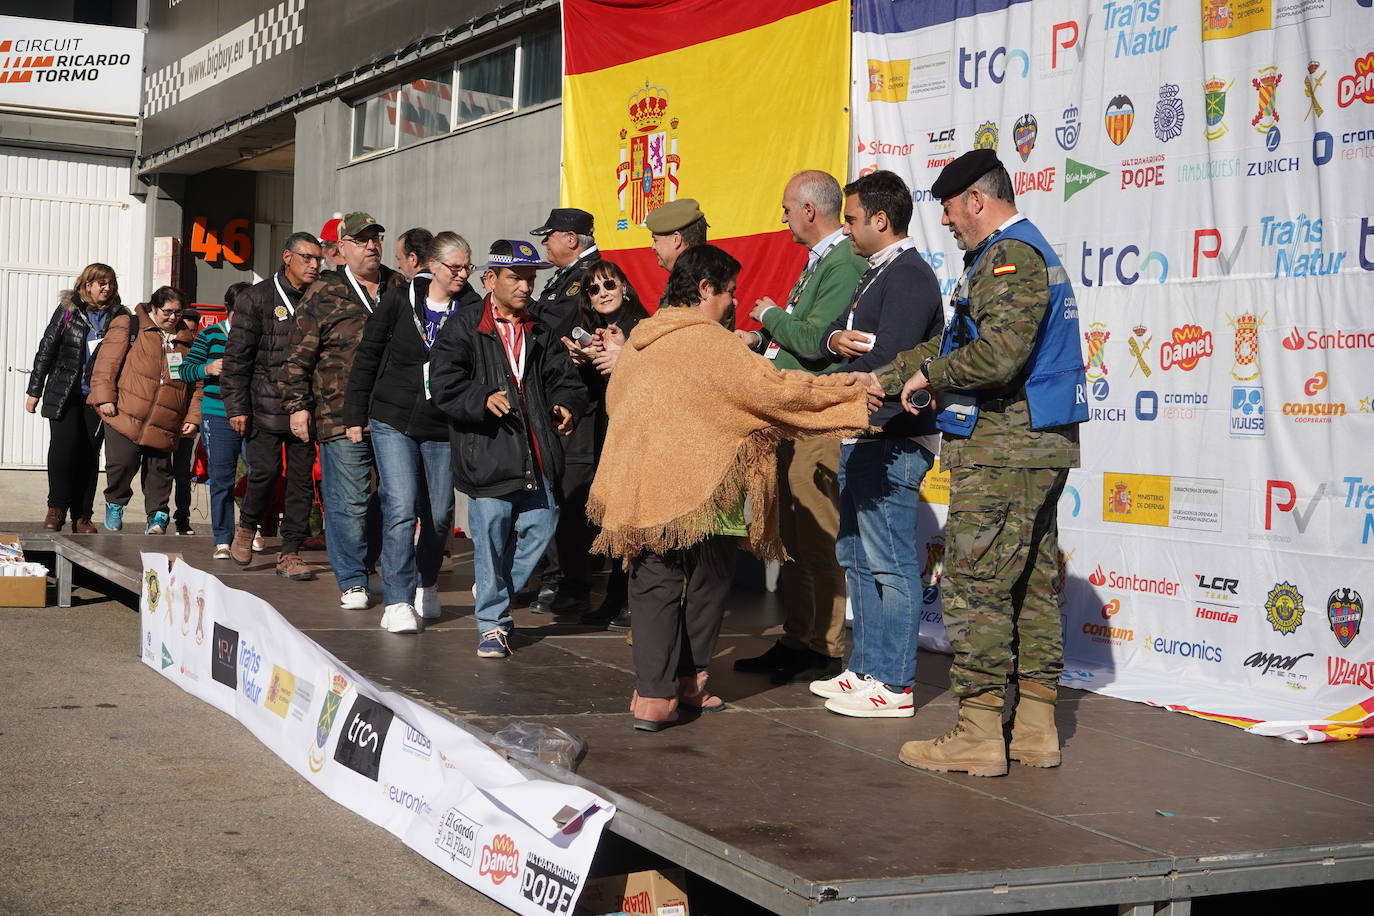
{"x":803,"y":811}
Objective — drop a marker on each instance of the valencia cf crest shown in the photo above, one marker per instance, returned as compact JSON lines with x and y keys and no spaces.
{"x":1023,"y":134}
{"x":985,"y":137}
{"x":1119,"y":118}
{"x":1345,"y":610}
{"x":1214,"y":95}
{"x":647,"y":173}
{"x":1266,"y":83}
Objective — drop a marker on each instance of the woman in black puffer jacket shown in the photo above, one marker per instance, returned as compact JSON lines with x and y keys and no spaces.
{"x":59,"y":380}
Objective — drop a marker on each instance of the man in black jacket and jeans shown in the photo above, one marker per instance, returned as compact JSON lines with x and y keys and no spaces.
{"x":509,"y":387}
{"x":263,"y":316}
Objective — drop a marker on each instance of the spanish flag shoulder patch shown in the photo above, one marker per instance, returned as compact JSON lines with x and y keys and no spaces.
{"x":1003,"y":269}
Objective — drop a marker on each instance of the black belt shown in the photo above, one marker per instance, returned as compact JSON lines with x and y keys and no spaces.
{"x":997,"y":405}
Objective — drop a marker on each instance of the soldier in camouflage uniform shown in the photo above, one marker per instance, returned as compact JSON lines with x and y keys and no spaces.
{"x":314,"y":379}
{"x":1000,"y":610}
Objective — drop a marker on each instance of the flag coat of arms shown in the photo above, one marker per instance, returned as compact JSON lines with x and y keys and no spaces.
{"x":702,"y":99}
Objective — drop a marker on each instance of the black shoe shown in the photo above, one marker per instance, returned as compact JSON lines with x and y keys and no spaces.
{"x":570,"y":605}
{"x":604,"y":614}
{"x":809,"y":666}
{"x":621,"y":621}
{"x":776,"y":657}
{"x":543,"y":602}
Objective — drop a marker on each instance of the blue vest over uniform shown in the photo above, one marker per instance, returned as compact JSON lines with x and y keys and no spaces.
{"x":1056,"y":387}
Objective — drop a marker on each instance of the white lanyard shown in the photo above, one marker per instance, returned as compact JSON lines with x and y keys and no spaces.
{"x":367,"y":303}
{"x":517,"y":362}
{"x":290,"y":310}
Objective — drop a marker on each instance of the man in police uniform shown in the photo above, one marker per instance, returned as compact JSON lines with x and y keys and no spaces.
{"x":1024,"y":369}
{"x":565,"y":578}
{"x":571,"y":247}
{"x":811,"y":646}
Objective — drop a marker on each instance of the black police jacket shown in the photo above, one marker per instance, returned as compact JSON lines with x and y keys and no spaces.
{"x":56,"y":375}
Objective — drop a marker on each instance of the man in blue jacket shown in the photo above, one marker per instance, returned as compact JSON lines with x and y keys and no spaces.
{"x":895,"y":307}
{"x":510,"y":389}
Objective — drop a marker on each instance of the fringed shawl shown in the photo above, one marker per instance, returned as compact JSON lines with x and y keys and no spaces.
{"x":695,"y":419}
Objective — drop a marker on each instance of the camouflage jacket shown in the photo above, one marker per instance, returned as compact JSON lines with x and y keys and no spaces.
{"x":1007,"y":310}
{"x":319,"y":354}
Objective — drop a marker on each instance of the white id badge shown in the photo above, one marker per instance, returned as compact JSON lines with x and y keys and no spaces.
{"x":174,"y":360}
{"x":773,"y":350}
{"x":92,"y":344}
{"x":424,"y":370}
{"x":958,"y":403}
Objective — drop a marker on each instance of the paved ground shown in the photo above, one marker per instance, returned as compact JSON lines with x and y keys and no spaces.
{"x":122,"y":794}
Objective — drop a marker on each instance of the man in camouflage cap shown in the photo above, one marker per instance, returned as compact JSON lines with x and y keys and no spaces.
{"x":313,"y":379}
{"x":1013,"y":350}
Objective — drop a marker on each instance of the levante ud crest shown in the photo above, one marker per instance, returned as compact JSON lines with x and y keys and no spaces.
{"x":647,"y":174}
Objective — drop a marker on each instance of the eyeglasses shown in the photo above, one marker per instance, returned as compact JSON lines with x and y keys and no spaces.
{"x":363,"y":241}
{"x":458,"y":268}
{"x":308,"y":258}
{"x":607,"y":284}
{"x":172,"y":313}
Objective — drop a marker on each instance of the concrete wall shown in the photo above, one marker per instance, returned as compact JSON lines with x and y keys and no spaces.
{"x":490,"y":181}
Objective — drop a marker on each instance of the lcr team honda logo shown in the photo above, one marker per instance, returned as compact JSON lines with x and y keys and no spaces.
{"x":649,"y":162}
{"x":500,"y":859}
{"x":1345,"y":610}
{"x":1283,"y":608}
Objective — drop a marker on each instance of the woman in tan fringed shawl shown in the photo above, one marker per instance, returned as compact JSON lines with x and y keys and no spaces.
{"x":695,"y":418}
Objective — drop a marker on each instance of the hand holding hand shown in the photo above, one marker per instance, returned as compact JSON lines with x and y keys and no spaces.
{"x":751,"y":339}
{"x":760,"y":307}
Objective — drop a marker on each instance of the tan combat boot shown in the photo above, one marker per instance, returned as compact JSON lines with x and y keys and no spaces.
{"x":1034,"y":739}
{"x":974,"y":746}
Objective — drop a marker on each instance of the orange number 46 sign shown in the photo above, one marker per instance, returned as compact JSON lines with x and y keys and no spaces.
{"x":236,"y":245}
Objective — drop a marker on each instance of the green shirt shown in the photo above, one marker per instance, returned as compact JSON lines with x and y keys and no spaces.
{"x":825,"y":292}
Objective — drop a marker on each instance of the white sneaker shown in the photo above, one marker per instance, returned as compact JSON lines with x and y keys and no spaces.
{"x":874,"y":701}
{"x":427,"y":602}
{"x":354,"y":599}
{"x":837,"y":686}
{"x":401,"y":618}
{"x":259,"y":545}
{"x":221,"y":551}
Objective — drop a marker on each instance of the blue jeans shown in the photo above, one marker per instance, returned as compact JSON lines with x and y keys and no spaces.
{"x":346,"y":490}
{"x":509,"y":535}
{"x":414,"y":481}
{"x":222,"y":447}
{"x":879,"y":485}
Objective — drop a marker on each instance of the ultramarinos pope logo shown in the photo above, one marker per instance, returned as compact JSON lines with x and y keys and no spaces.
{"x":647,"y":174}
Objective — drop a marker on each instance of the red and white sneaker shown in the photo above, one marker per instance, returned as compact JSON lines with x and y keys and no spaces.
{"x":872,"y":700}
{"x":844,"y":682}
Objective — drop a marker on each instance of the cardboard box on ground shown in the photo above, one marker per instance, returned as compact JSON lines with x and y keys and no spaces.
{"x":642,"y":893}
{"x":22,"y":584}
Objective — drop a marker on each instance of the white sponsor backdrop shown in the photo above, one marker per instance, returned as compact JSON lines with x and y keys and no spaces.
{"x":1217,"y":538}
{"x":68,"y":66}
{"x":525,"y":843}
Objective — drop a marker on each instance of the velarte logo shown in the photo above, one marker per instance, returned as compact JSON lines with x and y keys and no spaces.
{"x":1342,"y":673}
{"x":1078,"y":175}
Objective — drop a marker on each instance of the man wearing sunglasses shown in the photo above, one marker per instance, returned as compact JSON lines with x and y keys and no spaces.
{"x":314,"y":380}
{"x":565,"y":580}
{"x":264,"y":315}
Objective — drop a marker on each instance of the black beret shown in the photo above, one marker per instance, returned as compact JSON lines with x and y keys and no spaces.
{"x":956,"y":177}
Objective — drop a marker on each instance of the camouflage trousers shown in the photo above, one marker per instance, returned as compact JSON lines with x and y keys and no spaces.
{"x":1001,"y":559}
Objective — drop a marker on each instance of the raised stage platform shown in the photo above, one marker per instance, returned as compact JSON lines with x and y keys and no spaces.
{"x":801,"y":810}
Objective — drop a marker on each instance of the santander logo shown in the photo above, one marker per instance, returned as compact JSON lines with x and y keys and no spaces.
{"x":1293,"y":340}
{"x":1098,"y":578}
{"x":1130,"y":582}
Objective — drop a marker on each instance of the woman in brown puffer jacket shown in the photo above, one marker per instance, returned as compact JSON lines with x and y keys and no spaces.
{"x":138,"y":392}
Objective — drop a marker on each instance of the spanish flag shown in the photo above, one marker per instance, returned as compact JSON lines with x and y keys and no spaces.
{"x":718,"y":100}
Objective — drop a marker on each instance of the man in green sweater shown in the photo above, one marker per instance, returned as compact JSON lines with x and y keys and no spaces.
{"x":813,"y":583}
